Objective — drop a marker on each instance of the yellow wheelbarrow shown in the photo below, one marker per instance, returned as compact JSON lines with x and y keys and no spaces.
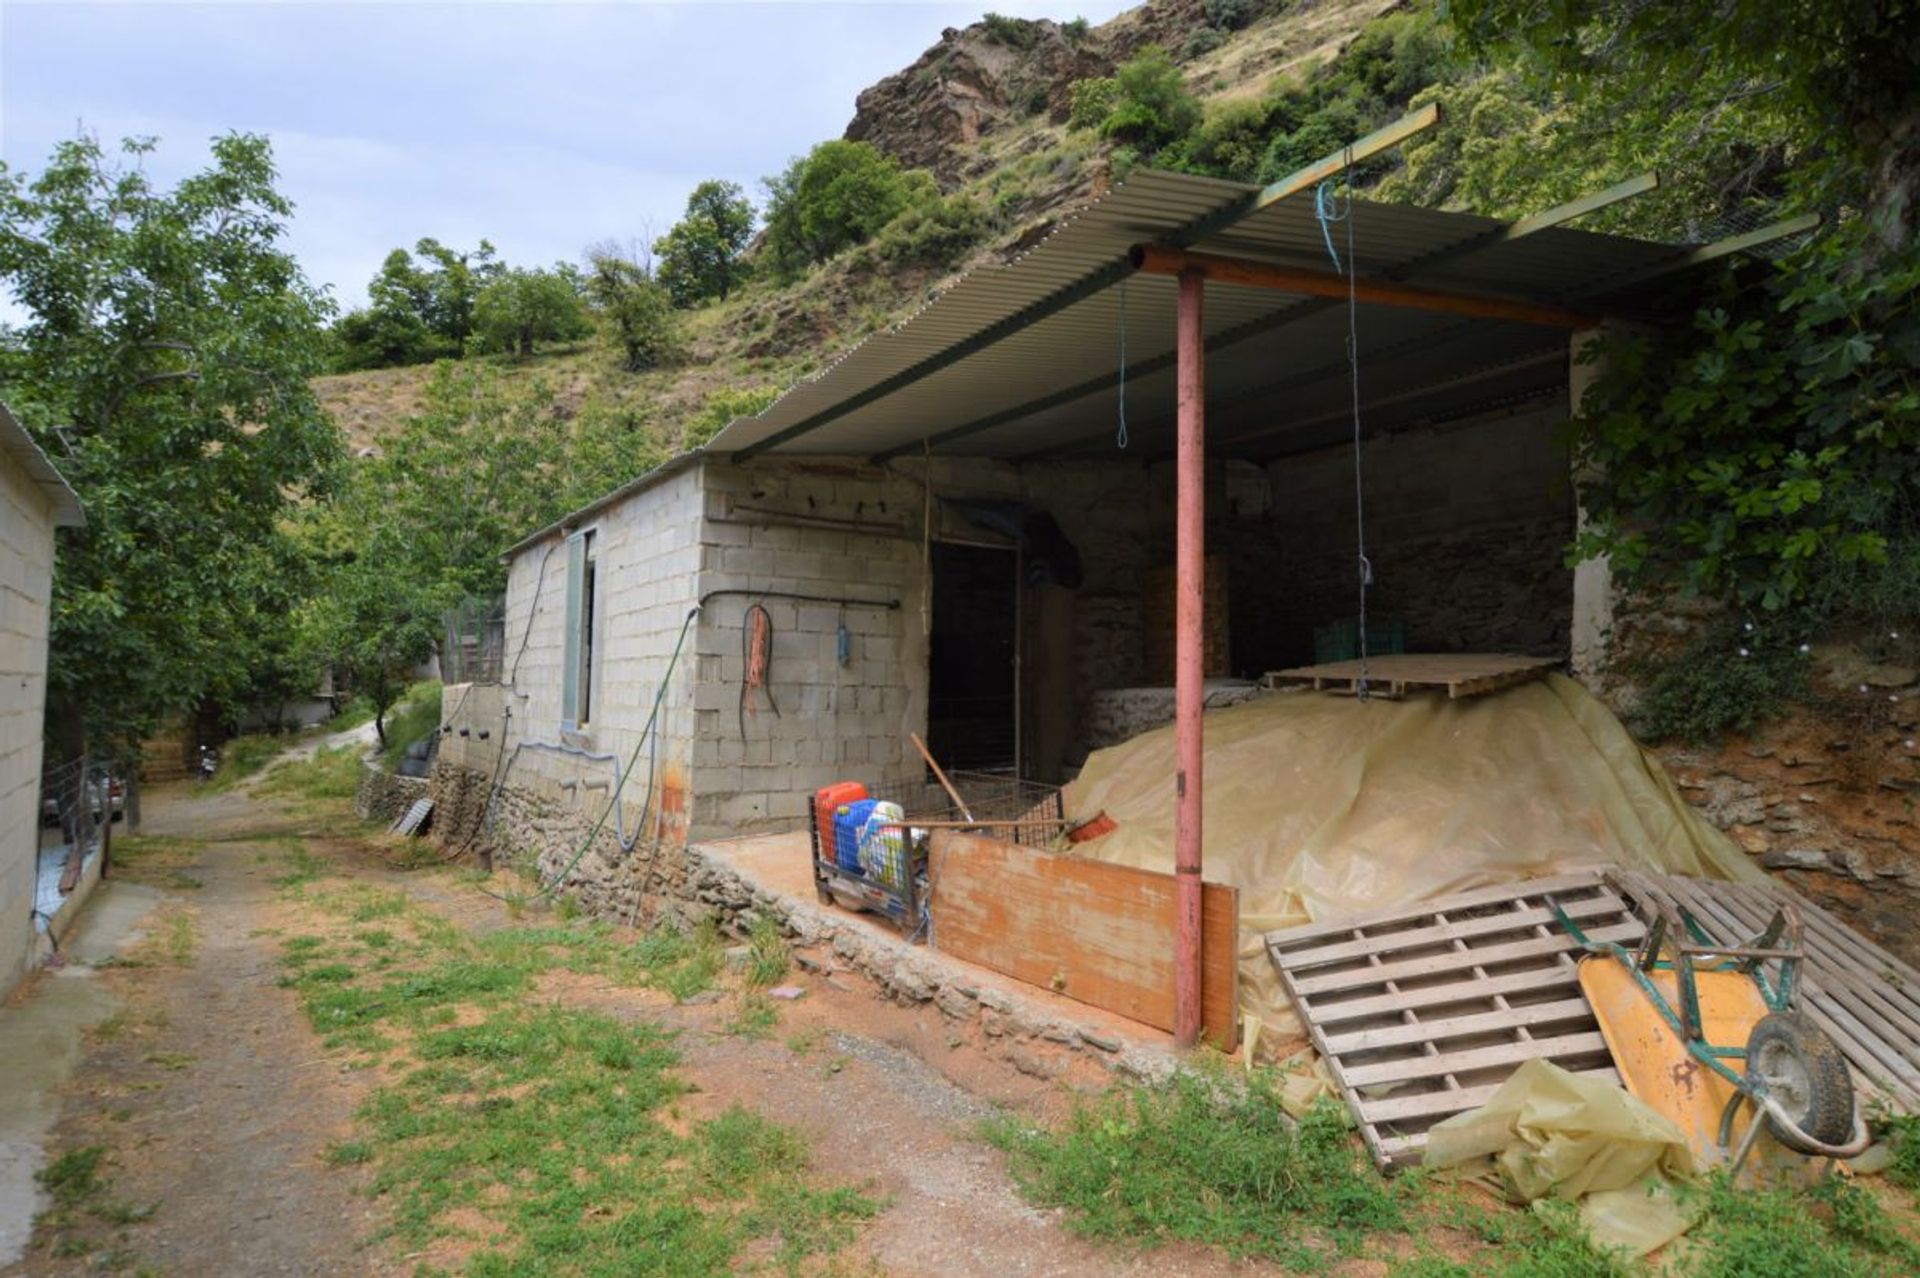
{"x":1680,"y":1011}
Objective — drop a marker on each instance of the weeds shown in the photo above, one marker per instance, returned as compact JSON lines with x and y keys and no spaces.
{"x":756,"y":1017}
{"x":332,"y":773}
{"x":416,"y":718}
{"x":544,"y":1120}
{"x":242,"y":757}
{"x":767,"y":954}
{"x":73,"y":1177}
{"x":1207,"y":1159}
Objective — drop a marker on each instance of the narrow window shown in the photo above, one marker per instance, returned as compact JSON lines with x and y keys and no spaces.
{"x":576,"y":678}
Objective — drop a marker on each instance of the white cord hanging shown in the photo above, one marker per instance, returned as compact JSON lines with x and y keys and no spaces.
{"x":1327,"y":209}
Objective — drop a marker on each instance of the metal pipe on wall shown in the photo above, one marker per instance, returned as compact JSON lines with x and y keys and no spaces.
{"x":1188,"y":661}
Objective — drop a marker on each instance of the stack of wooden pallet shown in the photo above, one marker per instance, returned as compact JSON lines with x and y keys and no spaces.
{"x":1421,"y":1013}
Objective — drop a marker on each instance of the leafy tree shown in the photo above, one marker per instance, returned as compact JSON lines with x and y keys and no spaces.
{"x":522,"y":306}
{"x":450,"y":285}
{"x":836,"y":196}
{"x":1847,"y":69}
{"x":164,"y":361}
{"x":419,"y":529}
{"x":703,"y":256}
{"x":637,"y":311}
{"x":1151,"y":106}
{"x":419,"y":309}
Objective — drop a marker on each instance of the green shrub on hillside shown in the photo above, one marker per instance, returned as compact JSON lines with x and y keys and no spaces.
{"x":1151,"y":106}
{"x":524,"y":306}
{"x":1091,"y":101}
{"x":1015,"y":33}
{"x":724,"y":406}
{"x":836,"y":196}
{"x":935,"y":233}
{"x":704,"y":255}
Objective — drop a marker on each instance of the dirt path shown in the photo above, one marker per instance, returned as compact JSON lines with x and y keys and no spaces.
{"x":217,"y":1104}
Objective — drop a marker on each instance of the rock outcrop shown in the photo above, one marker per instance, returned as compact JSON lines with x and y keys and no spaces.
{"x":975,"y":81}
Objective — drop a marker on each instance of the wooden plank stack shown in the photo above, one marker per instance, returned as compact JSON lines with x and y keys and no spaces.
{"x":1091,"y":930}
{"x":1866,"y":1000}
{"x":1421,"y":1013}
{"x":1392,"y":675}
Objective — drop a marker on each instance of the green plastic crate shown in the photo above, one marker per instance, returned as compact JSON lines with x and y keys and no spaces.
{"x":1340,"y":640}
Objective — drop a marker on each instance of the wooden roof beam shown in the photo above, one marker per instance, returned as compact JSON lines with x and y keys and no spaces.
{"x":1153,"y":259}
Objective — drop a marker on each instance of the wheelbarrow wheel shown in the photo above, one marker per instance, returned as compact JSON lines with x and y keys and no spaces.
{"x":1803,"y":1070}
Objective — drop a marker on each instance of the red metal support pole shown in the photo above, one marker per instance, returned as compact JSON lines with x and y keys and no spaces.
{"x":1190,"y":550}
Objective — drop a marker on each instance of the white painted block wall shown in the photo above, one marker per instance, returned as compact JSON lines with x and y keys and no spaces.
{"x":26,"y":582}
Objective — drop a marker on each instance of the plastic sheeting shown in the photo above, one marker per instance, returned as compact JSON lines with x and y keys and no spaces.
{"x":1547,"y":1133}
{"x":1318,"y":806}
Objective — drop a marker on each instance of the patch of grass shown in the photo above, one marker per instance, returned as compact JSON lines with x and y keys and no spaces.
{"x":332,"y":773}
{"x":349,"y":1153}
{"x":1834,"y":1230}
{"x":122,"y":1213}
{"x":242,"y":757}
{"x":544,"y":1121}
{"x":73,"y":1177}
{"x":357,"y":711}
{"x":756,"y":1017}
{"x":170,"y":1060}
{"x":302,"y":866}
{"x":1902,"y":1134}
{"x":1210,"y":1159}
{"x":767,"y":954}
{"x":800,"y":1042}
{"x":681,"y":963}
{"x":416,"y":717}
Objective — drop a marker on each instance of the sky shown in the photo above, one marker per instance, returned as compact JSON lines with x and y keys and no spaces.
{"x":541,"y":127}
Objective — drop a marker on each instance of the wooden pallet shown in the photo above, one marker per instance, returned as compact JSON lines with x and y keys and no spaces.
{"x":1867,"y":1000}
{"x":1422,"y":1012}
{"x":1461,"y":674}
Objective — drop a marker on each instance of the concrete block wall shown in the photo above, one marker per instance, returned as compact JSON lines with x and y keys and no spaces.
{"x":753,"y":770}
{"x":1467,"y":528}
{"x":26,"y":585}
{"x":647,"y":553}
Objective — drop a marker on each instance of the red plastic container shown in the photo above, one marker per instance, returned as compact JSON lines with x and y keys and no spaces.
{"x":825,"y":801}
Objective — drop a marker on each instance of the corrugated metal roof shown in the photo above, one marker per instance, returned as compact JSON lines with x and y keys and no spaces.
{"x":937,"y":371}
{"x":61,"y":499}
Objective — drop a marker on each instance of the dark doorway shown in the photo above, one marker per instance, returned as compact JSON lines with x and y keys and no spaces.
{"x":973,"y":695}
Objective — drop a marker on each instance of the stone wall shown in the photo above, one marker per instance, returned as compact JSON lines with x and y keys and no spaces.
{"x":1120,"y":714}
{"x":383,"y":796}
{"x":1467,"y":528}
{"x":681,"y":885}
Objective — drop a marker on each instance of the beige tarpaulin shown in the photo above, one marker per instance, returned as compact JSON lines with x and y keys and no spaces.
{"x":1319,"y":805}
{"x":1547,"y":1132}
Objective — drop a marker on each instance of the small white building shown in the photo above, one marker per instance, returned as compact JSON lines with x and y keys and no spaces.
{"x":34,"y":500}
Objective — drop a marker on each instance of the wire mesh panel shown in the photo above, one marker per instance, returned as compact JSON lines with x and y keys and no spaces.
{"x":475,"y":643}
{"x":996,"y":806}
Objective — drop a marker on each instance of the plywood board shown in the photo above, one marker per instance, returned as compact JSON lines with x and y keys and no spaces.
{"x":1422,"y":1012}
{"x":1095,"y":932}
{"x":1460,"y":674}
{"x":1866,"y":1000}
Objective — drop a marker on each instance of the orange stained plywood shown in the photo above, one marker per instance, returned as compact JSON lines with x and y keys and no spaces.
{"x":1095,"y":932}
